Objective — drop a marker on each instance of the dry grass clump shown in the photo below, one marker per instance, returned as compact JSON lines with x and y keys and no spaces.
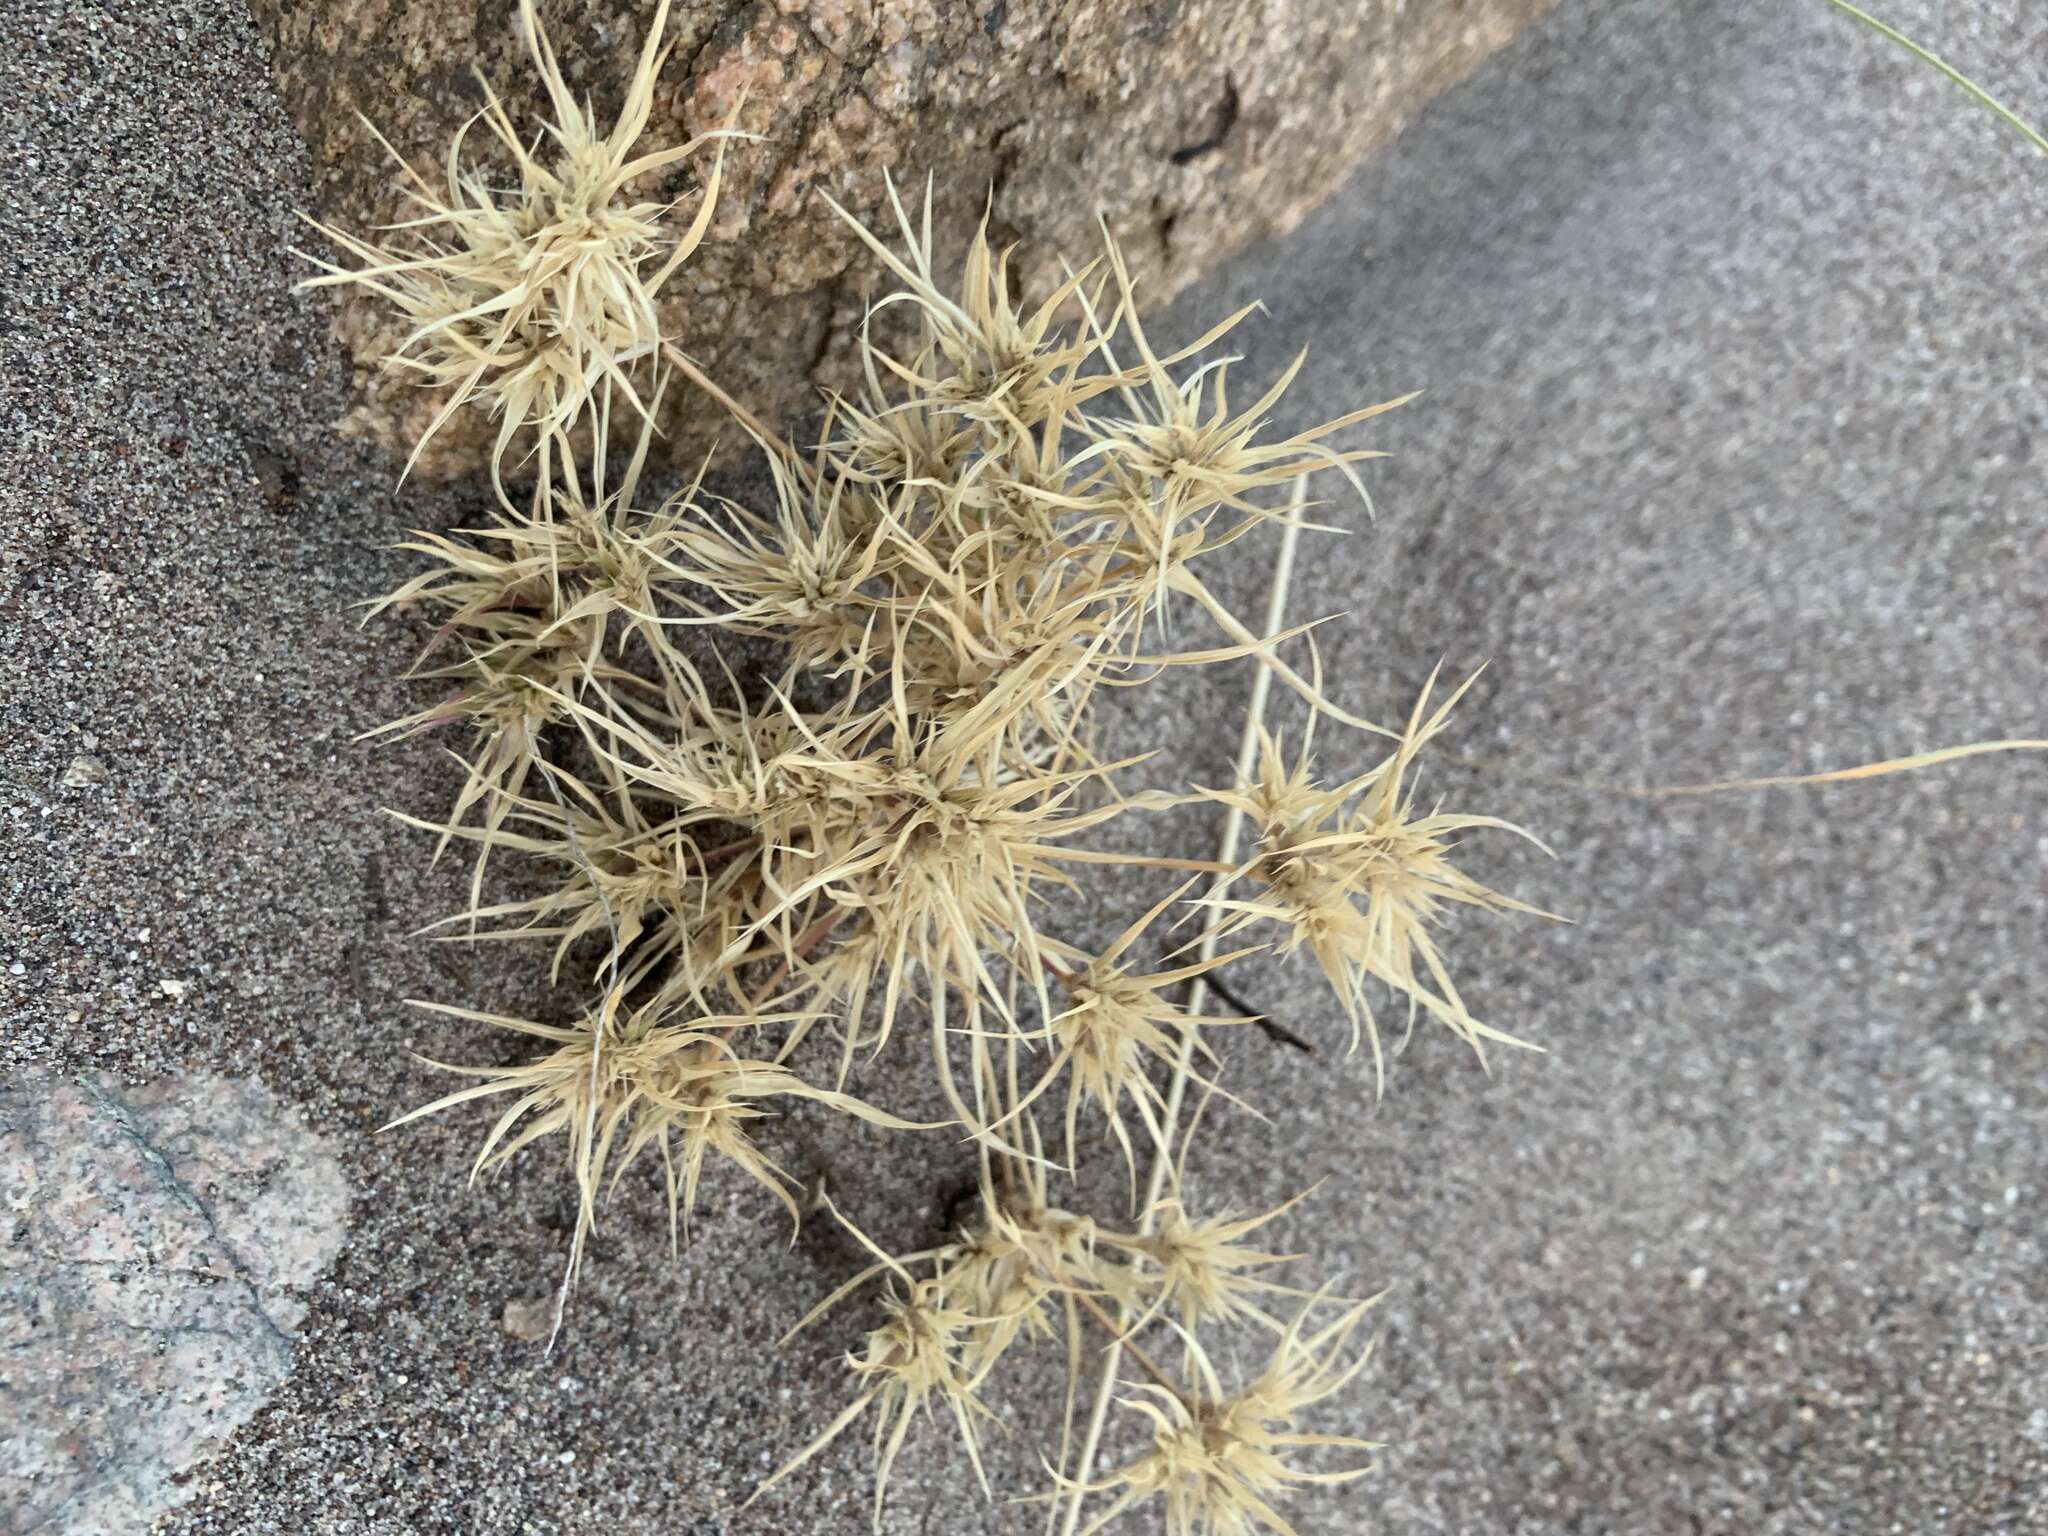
{"x":765,"y":874}
{"x":762,"y":872}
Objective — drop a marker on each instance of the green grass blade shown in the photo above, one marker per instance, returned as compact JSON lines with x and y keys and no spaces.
{"x":2033,"y":135}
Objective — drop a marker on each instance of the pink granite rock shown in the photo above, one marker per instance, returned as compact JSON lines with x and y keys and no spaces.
{"x":1192,"y":126}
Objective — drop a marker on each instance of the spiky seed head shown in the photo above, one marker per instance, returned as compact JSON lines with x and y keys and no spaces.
{"x":910,"y":1364}
{"x":1220,"y":1463}
{"x":1359,"y":876}
{"x":527,"y":299}
{"x":1205,"y":1272}
{"x":621,"y":1082}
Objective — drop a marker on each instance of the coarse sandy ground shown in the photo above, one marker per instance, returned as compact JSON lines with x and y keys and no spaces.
{"x":1728,"y":465}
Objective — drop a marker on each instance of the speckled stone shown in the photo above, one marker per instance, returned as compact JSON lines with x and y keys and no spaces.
{"x":1191,"y":125}
{"x":155,"y":1242}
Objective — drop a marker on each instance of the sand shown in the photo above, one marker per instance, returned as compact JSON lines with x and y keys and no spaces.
{"x":1727,"y":465}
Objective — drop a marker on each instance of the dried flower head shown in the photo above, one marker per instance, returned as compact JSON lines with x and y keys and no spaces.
{"x":525,"y":299}
{"x":1359,"y":878}
{"x":1116,"y":1019}
{"x":536,"y":606}
{"x":915,"y":1359}
{"x":1220,"y":1462}
{"x":1202,"y":1271}
{"x":627,"y":1082}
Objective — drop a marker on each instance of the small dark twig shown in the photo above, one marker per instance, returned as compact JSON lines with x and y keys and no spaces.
{"x":1279,"y":1033}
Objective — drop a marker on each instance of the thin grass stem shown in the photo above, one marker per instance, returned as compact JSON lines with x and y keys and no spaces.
{"x":1984,"y":98}
{"x":1183,"y":1067}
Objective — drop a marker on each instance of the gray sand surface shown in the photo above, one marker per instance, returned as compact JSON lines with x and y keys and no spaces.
{"x":1728,"y":465}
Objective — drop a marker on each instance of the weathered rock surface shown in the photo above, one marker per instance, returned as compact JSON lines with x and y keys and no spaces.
{"x":154,"y":1240}
{"x":1193,"y":126}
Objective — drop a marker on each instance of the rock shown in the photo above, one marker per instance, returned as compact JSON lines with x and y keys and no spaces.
{"x":1194,"y":126}
{"x":155,"y":1241}
{"x":277,"y":479}
{"x":529,"y":1318}
{"x":84,"y":771}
